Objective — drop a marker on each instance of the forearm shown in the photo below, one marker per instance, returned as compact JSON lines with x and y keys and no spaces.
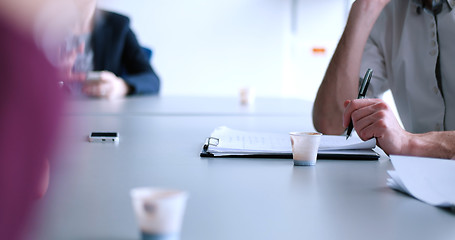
{"x":342,"y":76}
{"x":432,"y":144}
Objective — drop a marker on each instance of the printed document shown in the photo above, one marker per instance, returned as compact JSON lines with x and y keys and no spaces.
{"x":235,"y":141}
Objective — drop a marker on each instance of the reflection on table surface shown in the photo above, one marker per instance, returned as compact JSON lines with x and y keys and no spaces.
{"x":175,"y":105}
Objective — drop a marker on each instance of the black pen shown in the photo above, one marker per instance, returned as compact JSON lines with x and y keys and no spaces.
{"x":362,"y":92}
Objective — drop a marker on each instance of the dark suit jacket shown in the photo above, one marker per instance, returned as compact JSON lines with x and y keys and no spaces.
{"x":117,"y":50}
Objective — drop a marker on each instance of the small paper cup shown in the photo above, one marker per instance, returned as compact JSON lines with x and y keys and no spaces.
{"x":247,"y":96}
{"x":305,"y":147}
{"x":159,"y":212}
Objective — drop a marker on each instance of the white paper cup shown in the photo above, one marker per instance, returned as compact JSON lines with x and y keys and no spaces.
{"x":159,"y":212}
{"x":247,"y":96}
{"x":305,"y":147}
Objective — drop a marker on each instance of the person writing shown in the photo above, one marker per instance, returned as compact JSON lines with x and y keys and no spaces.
{"x":408,"y":44}
{"x":111,"y":47}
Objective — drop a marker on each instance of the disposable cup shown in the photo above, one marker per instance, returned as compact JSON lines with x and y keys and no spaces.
{"x":159,"y":212}
{"x":247,"y":96}
{"x":305,"y":147}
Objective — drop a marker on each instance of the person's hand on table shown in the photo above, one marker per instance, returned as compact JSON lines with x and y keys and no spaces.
{"x":107,"y":86}
{"x":373,"y":118}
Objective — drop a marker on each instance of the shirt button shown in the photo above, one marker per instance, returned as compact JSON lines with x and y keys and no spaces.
{"x":433,"y":43}
{"x":433,"y":52}
{"x":438,"y":127}
{"x":432,"y":24}
{"x":436,"y":90}
{"x":433,"y":34}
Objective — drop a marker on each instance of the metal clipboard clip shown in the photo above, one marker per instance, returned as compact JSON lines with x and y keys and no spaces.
{"x":211,"y":141}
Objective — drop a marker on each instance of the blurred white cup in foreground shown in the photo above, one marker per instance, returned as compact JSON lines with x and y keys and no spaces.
{"x":305,"y":147}
{"x":159,"y":212}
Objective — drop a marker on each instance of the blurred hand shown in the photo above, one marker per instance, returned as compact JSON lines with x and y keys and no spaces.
{"x":107,"y":86}
{"x":372,"y":118}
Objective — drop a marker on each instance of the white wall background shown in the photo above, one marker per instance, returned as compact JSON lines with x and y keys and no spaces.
{"x":317,"y":24}
{"x":216,"y":47}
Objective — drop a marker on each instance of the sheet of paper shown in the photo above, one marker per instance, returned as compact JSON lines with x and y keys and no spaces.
{"x":427,"y":179}
{"x":240,"y":141}
{"x":395,"y":182}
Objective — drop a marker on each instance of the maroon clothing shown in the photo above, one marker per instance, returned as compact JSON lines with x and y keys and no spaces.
{"x":29,"y":106}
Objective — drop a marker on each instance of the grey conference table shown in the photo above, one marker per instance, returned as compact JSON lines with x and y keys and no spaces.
{"x":186,"y":105}
{"x":229,"y":198}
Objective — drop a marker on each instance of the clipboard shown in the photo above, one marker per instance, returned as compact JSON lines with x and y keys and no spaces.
{"x":360,"y":154}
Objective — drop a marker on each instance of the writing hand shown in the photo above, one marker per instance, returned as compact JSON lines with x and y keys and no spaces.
{"x":373,"y":118}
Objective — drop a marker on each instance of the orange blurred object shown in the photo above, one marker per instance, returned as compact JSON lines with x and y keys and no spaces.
{"x":318,"y":50}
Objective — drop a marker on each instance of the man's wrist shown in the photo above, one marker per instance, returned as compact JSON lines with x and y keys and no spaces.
{"x":124,"y":87}
{"x":413,"y":146}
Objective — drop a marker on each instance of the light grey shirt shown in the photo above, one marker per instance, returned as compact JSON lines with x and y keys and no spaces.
{"x":402,"y":50}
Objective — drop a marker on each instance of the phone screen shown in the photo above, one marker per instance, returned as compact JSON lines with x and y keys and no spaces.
{"x":104,"y":134}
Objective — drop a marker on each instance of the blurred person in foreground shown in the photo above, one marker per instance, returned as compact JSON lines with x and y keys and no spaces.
{"x":409,"y":45}
{"x":30,"y":109}
{"x":112,"y":51}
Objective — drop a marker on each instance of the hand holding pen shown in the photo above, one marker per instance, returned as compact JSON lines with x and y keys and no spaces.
{"x":362,"y":92}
